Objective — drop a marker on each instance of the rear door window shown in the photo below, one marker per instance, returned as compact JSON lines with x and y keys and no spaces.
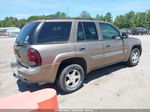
{"x":90,"y":31}
{"x":80,"y":33}
{"x":87,"y":31}
{"x":54,"y":32}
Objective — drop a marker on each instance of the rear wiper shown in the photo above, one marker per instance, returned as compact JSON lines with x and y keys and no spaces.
{"x":18,"y":44}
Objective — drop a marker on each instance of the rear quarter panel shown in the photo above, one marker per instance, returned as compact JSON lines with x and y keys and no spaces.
{"x":55,"y":53}
{"x":52,"y":55}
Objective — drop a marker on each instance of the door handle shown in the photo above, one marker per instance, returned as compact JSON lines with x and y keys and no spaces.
{"x":81,"y":49}
{"x":108,"y":45}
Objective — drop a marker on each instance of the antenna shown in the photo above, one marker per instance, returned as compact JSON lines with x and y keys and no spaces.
{"x":68,"y":11}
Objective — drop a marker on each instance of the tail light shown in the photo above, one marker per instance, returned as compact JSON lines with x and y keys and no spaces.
{"x":34,"y":58}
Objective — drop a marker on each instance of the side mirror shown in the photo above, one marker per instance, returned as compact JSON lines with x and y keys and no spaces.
{"x":124,"y":35}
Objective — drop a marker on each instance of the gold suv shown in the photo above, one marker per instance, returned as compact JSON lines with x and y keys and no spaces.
{"x":64,"y":51}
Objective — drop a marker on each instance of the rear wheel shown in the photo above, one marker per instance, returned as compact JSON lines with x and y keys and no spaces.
{"x":134,"y":57}
{"x":71,"y":78}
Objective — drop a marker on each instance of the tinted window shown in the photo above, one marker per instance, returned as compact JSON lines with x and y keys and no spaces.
{"x":108,"y":31}
{"x":90,"y":31}
{"x":26,"y":33}
{"x":54,"y":32}
{"x":80,"y":34}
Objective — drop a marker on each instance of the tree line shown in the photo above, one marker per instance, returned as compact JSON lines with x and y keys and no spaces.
{"x":129,"y":20}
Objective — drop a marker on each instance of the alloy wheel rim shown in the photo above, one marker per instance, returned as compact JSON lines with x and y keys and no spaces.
{"x":72,"y":78}
{"x":135,"y":56}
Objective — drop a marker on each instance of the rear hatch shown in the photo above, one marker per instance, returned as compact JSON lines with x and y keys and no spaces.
{"x":23,"y":42}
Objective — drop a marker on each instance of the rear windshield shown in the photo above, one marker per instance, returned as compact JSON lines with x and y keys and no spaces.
{"x":54,"y":32}
{"x":26,"y":33}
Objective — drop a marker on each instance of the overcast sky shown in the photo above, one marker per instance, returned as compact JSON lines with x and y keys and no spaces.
{"x":26,"y":8}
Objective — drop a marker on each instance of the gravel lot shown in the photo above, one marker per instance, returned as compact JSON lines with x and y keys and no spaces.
{"x":116,"y":86}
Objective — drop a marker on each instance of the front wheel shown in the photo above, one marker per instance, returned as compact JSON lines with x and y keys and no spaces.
{"x":134,"y":57}
{"x":71,"y":78}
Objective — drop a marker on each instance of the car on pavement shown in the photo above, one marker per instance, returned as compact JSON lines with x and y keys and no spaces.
{"x":63,"y":51}
{"x":139,"y":31}
{"x":127,"y":31}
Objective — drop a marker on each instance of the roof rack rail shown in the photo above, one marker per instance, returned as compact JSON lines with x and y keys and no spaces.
{"x":81,"y":18}
{"x":52,"y":18}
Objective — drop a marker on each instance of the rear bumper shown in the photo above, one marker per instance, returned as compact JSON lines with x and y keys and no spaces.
{"x":40,"y":75}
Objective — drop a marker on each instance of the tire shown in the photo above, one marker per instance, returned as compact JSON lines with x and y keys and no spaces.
{"x":71,"y":78}
{"x":134,"y":57}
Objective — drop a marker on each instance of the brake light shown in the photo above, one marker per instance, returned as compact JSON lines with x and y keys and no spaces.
{"x":34,"y":58}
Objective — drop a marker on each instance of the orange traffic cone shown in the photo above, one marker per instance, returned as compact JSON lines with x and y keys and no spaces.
{"x":44,"y":100}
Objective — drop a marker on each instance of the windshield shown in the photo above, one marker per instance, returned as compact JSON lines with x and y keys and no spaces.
{"x":26,"y":33}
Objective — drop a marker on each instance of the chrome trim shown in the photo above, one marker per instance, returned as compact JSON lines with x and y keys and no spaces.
{"x":115,"y":53}
{"x":108,"y":55}
{"x":97,"y":57}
